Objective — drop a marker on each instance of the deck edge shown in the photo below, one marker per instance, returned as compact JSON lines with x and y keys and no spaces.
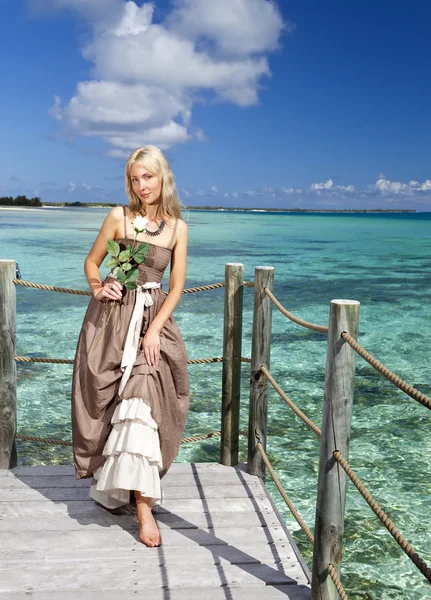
{"x":303,"y":564}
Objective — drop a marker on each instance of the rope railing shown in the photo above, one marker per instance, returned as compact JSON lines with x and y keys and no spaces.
{"x":387,"y":374}
{"x":292,"y":317}
{"x":70,"y":361}
{"x":54,"y":288}
{"x":50,"y":288}
{"x":298,"y":412}
{"x":385,"y":520}
{"x":338,"y":456}
{"x":36,"y":359}
{"x":331,"y":569}
{"x":338,"y":585}
{"x":55,"y":442}
{"x":284,"y":495}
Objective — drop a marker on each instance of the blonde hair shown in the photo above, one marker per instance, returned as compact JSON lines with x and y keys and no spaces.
{"x":153,"y":160}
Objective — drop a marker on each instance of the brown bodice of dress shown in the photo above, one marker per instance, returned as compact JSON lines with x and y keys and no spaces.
{"x":155,"y":263}
{"x":157,"y":258}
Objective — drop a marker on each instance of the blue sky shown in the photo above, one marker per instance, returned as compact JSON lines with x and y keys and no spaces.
{"x":295,"y":103}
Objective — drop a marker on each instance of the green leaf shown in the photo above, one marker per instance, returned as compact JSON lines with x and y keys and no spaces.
{"x":130,"y":285}
{"x":126,"y":267}
{"x":125,"y":255}
{"x":121,"y":276}
{"x":115,"y":271}
{"x":111,"y":262}
{"x":143,"y":247}
{"x":113,"y":248}
{"x":139,"y":258}
{"x":132,"y":275}
{"x":129,"y":248}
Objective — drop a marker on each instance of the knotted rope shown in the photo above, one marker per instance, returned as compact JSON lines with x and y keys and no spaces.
{"x":70,"y":361}
{"x":292,"y":317}
{"x":298,"y":412}
{"x":338,"y":585}
{"x":387,"y":374}
{"x":385,"y":520}
{"x":285,"y":497}
{"x":41,"y":440}
{"x":50,"y":288}
{"x":54,"y":288}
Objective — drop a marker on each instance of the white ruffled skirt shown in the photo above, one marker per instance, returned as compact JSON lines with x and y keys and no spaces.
{"x":133,"y":457}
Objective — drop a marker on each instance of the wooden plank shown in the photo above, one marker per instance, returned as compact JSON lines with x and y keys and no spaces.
{"x":27,"y":540}
{"x":283,"y":525}
{"x":279,"y":592}
{"x":36,"y":481}
{"x":137,"y":576}
{"x":151,"y":557}
{"x":176,"y":469}
{"x":57,"y":494}
{"x":79,"y":507}
{"x":195,"y":469}
{"x":129,"y":521}
{"x":219,"y":531}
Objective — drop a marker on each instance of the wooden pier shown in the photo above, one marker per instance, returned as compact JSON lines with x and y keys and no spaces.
{"x":222,"y":538}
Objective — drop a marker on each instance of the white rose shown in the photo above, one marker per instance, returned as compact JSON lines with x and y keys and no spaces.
{"x":139,"y":224}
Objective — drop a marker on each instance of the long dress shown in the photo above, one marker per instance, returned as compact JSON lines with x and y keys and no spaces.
{"x":126,"y":434}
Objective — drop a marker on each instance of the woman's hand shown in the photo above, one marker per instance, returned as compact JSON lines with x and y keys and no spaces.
{"x":151,"y":347}
{"x":112,"y":290}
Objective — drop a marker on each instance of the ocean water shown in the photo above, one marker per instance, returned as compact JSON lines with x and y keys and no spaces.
{"x":381,"y":260}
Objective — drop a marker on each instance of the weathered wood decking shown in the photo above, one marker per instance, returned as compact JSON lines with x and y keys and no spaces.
{"x":221,"y":540}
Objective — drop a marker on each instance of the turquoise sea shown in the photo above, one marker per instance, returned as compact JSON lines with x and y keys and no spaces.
{"x":382,"y":260}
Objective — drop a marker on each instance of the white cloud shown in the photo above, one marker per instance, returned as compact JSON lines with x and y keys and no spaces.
{"x":329,"y":185}
{"x":147,"y":76}
{"x":72,"y":186}
{"x":385,"y":187}
{"x":421,"y":187}
{"x":288,"y":190}
{"x":134,"y":20}
{"x":214,"y":189}
{"x":322,"y":186}
{"x":235,"y":27}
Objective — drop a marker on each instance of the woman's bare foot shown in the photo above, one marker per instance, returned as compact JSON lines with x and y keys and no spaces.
{"x":149,"y":533}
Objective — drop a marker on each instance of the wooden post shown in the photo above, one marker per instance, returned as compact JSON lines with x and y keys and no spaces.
{"x":260,"y":355}
{"x":231,"y":383}
{"x":336,"y":422}
{"x":7,"y":365}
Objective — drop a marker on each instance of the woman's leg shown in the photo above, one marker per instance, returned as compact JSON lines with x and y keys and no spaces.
{"x":149,"y":533}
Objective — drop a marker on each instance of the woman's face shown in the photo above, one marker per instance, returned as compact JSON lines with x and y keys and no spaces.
{"x":146,"y":185}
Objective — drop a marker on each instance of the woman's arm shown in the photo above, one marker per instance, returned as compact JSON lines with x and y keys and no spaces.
{"x":151,"y":341}
{"x":108,"y":231}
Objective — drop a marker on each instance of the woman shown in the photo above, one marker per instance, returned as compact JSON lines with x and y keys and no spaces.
{"x":130,"y":391}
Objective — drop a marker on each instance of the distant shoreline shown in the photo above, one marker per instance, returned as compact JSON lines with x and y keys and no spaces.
{"x":225,"y":209}
{"x":302,"y":210}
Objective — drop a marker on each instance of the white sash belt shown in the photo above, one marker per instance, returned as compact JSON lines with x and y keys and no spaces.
{"x":143,"y":299}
